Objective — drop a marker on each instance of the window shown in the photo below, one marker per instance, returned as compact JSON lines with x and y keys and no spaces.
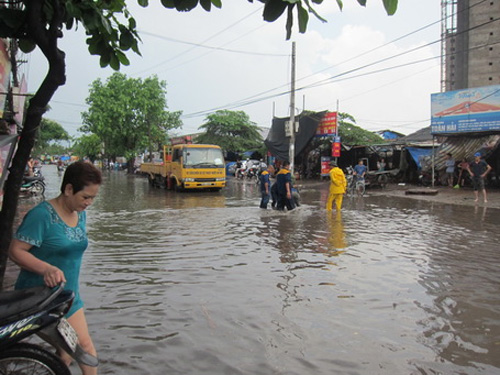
{"x":176,"y":155}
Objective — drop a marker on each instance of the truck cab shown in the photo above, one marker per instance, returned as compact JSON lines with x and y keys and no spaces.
{"x":195,"y":166}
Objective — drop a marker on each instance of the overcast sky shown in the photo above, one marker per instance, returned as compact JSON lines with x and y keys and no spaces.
{"x":381,"y":69}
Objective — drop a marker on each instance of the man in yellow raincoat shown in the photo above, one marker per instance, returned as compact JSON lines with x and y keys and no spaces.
{"x":338,"y":185}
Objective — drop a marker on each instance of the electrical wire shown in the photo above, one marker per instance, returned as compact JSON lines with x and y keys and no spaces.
{"x":335,"y":78}
{"x":195,"y":45}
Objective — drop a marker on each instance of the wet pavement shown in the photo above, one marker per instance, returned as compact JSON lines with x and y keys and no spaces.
{"x":456,"y":196}
{"x":208,"y":283}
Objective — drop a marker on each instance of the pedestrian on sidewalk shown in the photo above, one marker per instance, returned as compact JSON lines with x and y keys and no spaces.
{"x":450,"y":169}
{"x":462,"y":166}
{"x":478,"y":170}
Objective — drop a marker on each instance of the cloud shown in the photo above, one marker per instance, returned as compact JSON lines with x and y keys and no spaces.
{"x":236,"y":58}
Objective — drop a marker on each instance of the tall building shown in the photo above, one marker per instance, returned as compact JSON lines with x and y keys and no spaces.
{"x":470,"y":50}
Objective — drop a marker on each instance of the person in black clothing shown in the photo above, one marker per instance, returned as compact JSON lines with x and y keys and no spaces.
{"x":478,"y":170}
{"x":284,"y":182}
{"x":265,"y":188}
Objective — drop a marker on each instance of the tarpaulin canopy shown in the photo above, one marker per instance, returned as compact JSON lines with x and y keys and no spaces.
{"x":278,"y":143}
{"x":418,"y":154}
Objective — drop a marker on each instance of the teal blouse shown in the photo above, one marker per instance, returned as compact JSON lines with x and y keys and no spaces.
{"x":56,"y":243}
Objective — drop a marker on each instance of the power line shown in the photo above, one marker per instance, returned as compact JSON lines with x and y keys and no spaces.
{"x":335,"y":78}
{"x":195,"y":45}
{"x":217,"y":48}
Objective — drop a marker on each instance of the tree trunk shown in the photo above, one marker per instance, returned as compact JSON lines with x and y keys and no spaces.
{"x":46,"y":40}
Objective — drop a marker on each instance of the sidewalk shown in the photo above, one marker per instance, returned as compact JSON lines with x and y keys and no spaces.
{"x":462,"y":196}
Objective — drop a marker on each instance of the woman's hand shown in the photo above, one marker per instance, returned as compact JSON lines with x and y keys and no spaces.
{"x":53,"y":276}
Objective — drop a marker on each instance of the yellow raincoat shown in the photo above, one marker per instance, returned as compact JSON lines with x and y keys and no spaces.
{"x":338,"y":185}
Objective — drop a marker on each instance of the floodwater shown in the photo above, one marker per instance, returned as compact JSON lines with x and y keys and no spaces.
{"x":208,"y":283}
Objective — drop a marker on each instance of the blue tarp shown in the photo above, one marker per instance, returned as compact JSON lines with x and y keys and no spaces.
{"x":418,"y":153}
{"x":390,"y":135}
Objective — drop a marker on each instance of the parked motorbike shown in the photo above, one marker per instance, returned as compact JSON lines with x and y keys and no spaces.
{"x":240,"y":172}
{"x":425,"y":178}
{"x":40,"y":311}
{"x":252,"y":172}
{"x":34,"y":185}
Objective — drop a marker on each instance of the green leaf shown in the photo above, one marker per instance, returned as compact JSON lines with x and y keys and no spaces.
{"x":273,"y":10}
{"x":340,"y":4}
{"x":105,"y":23}
{"x":217,"y":3}
{"x":114,"y":62}
{"x":143,"y":3}
{"x":289,"y":23}
{"x":311,"y":10}
{"x":26,"y":45}
{"x":206,"y":4}
{"x":135,"y":48}
{"x":131,"y":23}
{"x":303,"y":17}
{"x":126,"y":40}
{"x":122,"y":58}
{"x":170,"y":4}
{"x":185,"y":5}
{"x":362,"y":2}
{"x":104,"y":60}
{"x":73,"y":10}
{"x":391,"y":6}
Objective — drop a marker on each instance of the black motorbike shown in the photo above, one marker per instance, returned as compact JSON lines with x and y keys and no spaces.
{"x":40,"y":311}
{"x":34,"y":185}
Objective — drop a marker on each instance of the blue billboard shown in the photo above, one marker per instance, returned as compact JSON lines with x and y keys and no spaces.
{"x":466,"y":111}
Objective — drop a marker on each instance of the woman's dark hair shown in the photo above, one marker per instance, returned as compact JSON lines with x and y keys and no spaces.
{"x":80,"y":174}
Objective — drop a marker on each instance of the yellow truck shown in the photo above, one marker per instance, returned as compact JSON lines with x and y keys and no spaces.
{"x":188,"y":167}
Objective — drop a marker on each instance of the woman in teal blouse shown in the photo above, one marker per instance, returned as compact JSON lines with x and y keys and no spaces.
{"x":49,"y":245}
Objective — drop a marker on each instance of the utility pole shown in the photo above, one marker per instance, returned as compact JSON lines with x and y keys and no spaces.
{"x":291,"y":153}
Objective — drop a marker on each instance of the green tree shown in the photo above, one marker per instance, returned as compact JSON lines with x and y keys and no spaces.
{"x":50,"y":132}
{"x":88,"y":146}
{"x":231,"y":130}
{"x":111,"y":31}
{"x":128,"y":115}
{"x":352,"y":134}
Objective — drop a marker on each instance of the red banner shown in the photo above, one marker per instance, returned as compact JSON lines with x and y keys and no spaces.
{"x":336,"y":148}
{"x":328,"y":125}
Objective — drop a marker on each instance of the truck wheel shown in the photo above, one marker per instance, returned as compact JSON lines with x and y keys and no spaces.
{"x":175,"y":186}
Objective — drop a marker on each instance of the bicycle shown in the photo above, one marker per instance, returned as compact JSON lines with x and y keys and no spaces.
{"x":355,"y":185}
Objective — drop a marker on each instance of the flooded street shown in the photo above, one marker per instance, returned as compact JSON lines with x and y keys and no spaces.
{"x":208,"y":283}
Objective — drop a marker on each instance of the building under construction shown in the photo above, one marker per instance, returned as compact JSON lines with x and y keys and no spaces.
{"x":470,"y":44}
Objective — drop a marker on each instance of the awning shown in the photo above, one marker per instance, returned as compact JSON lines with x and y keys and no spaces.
{"x":278,"y":143}
{"x":419,"y":154}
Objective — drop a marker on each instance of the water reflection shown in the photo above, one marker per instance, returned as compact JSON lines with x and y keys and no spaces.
{"x":209,"y":283}
{"x":336,"y":238}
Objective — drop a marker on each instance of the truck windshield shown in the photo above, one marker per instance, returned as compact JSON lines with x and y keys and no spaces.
{"x":203,"y":157}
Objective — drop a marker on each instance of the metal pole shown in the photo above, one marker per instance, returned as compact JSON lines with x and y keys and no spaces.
{"x":291,"y":153}
{"x":337,"y":127}
{"x":433,"y":161}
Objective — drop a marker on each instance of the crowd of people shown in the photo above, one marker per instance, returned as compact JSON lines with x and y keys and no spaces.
{"x":281,"y":192}
{"x":478,"y":169}
{"x":282,"y":197}
{"x":49,"y":243}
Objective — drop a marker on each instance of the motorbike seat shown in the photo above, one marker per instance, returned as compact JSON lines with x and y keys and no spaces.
{"x":24,"y":301}
{"x":32,"y":178}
